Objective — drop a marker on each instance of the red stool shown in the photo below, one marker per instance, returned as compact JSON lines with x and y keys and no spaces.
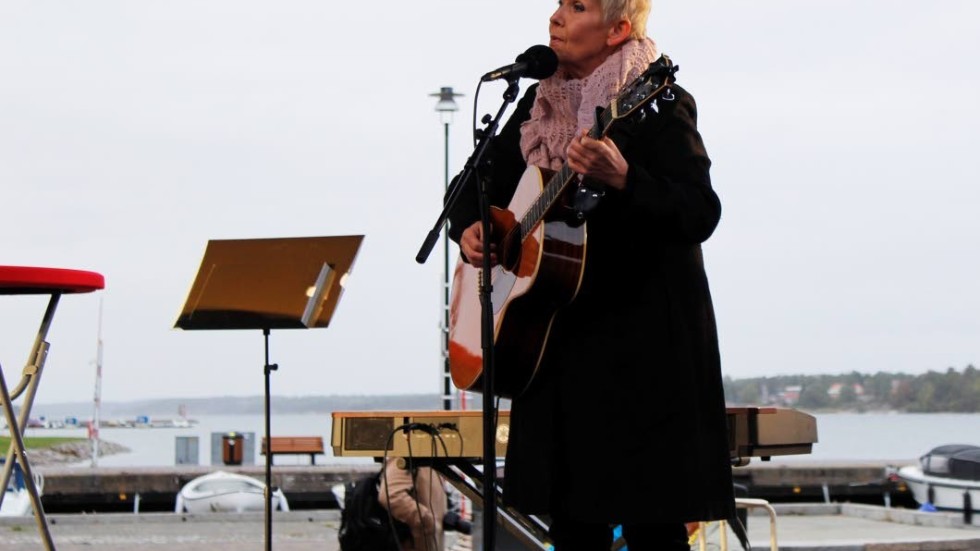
{"x":23,"y":280}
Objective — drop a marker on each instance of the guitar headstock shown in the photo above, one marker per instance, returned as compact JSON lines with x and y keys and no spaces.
{"x":645,"y":88}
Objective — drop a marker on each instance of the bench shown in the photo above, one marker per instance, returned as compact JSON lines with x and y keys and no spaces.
{"x":295,"y":445}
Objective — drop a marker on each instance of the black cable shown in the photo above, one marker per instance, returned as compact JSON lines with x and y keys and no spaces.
{"x":476,"y":97}
{"x":384,"y":473}
{"x":448,"y":426}
{"x":434,"y":434}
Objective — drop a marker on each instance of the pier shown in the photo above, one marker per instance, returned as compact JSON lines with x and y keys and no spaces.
{"x":820,"y":506}
{"x":867,"y":482}
{"x":154,"y":489}
{"x":800,"y":528}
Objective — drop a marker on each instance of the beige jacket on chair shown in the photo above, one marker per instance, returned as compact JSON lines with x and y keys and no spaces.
{"x":423,"y":514}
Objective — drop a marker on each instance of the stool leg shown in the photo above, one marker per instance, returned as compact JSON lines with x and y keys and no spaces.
{"x":29,"y":381}
{"x":17,"y":446}
{"x":32,"y":372}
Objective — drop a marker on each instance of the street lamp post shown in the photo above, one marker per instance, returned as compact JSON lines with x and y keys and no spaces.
{"x":446,"y":106}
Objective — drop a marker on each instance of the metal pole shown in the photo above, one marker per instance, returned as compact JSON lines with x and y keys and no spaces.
{"x":446,"y":106}
{"x":447,"y":397}
{"x":268,"y":369}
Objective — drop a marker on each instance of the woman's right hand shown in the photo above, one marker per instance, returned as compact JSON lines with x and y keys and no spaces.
{"x":471,"y":245}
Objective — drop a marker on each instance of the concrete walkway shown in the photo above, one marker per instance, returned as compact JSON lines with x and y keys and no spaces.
{"x":799,"y":528}
{"x":291,"y":531}
{"x":850,"y":527}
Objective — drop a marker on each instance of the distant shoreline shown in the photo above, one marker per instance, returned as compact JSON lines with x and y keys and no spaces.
{"x":160,"y":410}
{"x":174,"y":408}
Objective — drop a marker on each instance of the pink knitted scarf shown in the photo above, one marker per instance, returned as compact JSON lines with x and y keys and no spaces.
{"x":565,"y":106}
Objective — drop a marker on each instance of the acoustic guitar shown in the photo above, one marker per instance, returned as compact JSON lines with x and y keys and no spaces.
{"x":540,"y":242}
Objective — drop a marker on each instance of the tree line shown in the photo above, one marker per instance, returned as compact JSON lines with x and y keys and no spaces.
{"x":950,"y":391}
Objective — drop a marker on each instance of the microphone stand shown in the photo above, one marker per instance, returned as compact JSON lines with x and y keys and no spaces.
{"x":472,"y":166}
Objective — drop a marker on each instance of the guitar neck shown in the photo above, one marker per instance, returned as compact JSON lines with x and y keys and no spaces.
{"x":658,"y":76}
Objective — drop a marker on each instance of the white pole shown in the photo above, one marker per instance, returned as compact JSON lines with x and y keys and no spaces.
{"x":96,"y":418}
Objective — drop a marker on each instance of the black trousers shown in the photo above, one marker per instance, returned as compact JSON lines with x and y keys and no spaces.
{"x":570,"y":535}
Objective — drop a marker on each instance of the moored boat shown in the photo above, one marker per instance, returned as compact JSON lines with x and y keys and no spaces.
{"x":948,"y":477}
{"x":225,"y":492}
{"x":16,"y":498}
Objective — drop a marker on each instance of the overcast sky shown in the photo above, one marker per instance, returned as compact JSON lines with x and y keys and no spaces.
{"x":844,"y":137}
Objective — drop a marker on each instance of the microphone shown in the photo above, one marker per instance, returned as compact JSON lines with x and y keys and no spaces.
{"x":537,"y":62}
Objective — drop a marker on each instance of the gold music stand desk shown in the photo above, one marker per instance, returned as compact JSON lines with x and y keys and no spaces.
{"x":275,"y":283}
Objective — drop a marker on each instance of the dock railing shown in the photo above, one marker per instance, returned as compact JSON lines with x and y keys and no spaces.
{"x":740,"y":503}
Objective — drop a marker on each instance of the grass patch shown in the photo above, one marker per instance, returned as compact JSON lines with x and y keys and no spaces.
{"x":38,"y":442}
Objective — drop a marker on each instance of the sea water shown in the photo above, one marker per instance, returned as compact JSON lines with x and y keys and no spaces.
{"x":891,"y":437}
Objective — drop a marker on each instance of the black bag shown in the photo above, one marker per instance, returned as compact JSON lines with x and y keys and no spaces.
{"x":364,"y":523}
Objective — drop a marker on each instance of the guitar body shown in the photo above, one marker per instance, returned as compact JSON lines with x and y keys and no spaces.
{"x":535,"y":277}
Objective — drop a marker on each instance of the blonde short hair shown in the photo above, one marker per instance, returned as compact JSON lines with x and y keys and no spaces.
{"x":636,"y":11}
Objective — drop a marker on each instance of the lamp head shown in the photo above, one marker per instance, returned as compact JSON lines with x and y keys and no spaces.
{"x":446,"y":105}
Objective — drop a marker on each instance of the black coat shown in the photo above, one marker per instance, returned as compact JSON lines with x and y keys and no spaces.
{"x":625,"y":421}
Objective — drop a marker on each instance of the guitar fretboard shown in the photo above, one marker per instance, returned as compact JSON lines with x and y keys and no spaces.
{"x":559,"y":181}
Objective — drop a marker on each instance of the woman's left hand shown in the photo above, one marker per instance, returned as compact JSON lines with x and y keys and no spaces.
{"x":598,"y":159}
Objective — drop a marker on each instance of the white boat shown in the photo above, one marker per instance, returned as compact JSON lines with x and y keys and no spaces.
{"x":948,"y":477}
{"x":224,"y":492}
{"x":16,"y":499}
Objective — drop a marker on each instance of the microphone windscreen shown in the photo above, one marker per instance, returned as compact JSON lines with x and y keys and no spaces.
{"x":542,"y":61}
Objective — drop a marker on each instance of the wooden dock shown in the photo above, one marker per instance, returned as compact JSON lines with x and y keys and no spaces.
{"x":151,"y":489}
{"x":868,"y":482}
{"x":154,"y":489}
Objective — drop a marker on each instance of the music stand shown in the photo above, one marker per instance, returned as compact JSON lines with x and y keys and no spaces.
{"x":276,"y":283}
